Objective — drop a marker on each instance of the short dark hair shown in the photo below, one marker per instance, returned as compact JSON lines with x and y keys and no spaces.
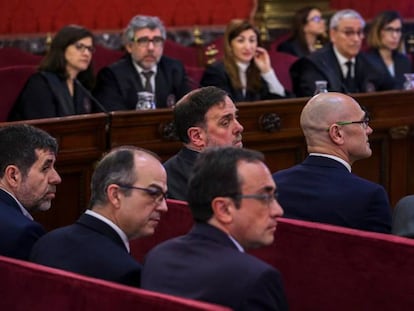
{"x":215,"y":174}
{"x":192,"y":108}
{"x":18,"y":144}
{"x":116,"y":167}
{"x":55,"y":60}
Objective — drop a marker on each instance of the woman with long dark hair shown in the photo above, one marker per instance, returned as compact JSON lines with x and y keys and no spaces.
{"x":60,"y":86}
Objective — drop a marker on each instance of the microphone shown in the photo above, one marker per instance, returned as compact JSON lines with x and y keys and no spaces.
{"x":94,"y":100}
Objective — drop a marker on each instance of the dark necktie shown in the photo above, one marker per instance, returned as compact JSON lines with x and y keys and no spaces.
{"x":349,"y":80}
{"x":147,"y":86}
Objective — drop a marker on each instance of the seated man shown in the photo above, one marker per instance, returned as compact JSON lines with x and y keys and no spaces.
{"x":127,"y":200}
{"x":143,"y":68}
{"x":340,"y":63}
{"x":233,"y":200}
{"x":28,"y":182}
{"x":204,"y":117}
{"x":322,"y":188}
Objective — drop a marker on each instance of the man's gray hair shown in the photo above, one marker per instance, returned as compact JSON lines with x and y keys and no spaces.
{"x":345,"y":14}
{"x":139,"y":22}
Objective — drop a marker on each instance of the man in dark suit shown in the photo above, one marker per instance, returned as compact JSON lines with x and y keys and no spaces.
{"x":340,"y":63}
{"x":127,"y":200}
{"x":322,"y":188}
{"x":204,"y":117}
{"x":232,"y":198}
{"x":28,"y":182}
{"x":142,"y":69}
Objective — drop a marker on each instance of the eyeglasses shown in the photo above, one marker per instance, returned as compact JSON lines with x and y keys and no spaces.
{"x":82,"y":47}
{"x":351,"y":33}
{"x":156,"y":194}
{"x":145,"y":41}
{"x":265,"y":198}
{"x":315,"y":19}
{"x":364,"y":123}
{"x":391,"y":30}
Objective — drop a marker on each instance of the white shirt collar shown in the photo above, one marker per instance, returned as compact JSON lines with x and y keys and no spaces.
{"x":346,"y":164}
{"x":239,"y":247}
{"x":342,"y":61}
{"x":112,"y":225}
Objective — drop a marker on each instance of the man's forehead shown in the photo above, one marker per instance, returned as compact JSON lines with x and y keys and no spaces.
{"x":221,"y":109}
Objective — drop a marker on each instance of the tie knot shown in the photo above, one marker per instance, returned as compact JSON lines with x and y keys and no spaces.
{"x":349,"y":64}
{"x":147,"y":74}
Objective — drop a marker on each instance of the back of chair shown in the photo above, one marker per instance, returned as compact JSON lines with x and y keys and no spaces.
{"x":177,"y":221}
{"x":12,"y":81}
{"x":186,"y":54}
{"x":104,"y":57}
{"x":28,"y":286}
{"x":11,"y":56}
{"x":281,"y":63}
{"x":403,"y":217}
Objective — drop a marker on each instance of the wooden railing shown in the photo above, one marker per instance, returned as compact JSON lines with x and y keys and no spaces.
{"x":269,"y":126}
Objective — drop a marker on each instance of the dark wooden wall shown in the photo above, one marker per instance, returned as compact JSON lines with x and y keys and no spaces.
{"x":270,"y":126}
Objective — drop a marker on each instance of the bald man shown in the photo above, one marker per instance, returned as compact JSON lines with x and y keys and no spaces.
{"x":323,"y":188}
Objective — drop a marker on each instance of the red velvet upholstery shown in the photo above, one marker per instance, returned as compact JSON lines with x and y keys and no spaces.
{"x":27,"y":286}
{"x":104,"y":57}
{"x":12,"y":80}
{"x":10,"y":56}
{"x":177,"y":221}
{"x":327,"y":267}
{"x":324,"y":267}
{"x":186,"y":54}
{"x":281,"y":63}
{"x":194,"y":76}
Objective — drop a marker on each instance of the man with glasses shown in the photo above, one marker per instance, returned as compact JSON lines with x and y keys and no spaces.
{"x":322,"y":188}
{"x":143,"y":69}
{"x":127,"y":200}
{"x":232,"y":197}
{"x":341,"y":63}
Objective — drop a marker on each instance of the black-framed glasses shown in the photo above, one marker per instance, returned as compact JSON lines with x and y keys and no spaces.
{"x":315,"y":19}
{"x":351,"y":33}
{"x":265,"y":198}
{"x":155,"y":193}
{"x":364,"y":123}
{"x":391,"y":30}
{"x":145,"y":41}
{"x":82,"y":47}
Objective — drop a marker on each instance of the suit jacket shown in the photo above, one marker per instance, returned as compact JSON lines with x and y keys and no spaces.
{"x":46,"y":95}
{"x":323,"y":65}
{"x":321,"y":189}
{"x":118,"y":84}
{"x":178,"y":170}
{"x":292,"y":47}
{"x":206,"y":265}
{"x":18,"y":232}
{"x":89,"y":247}
{"x":216,"y":75}
{"x":401,"y":65}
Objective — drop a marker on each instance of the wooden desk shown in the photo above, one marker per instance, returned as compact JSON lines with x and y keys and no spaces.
{"x":269,"y":126}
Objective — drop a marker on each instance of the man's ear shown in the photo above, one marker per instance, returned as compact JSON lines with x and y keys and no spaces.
{"x":114,"y":195}
{"x":222,"y":209}
{"x":336,"y":134}
{"x":13,"y":175}
{"x":197,"y":136}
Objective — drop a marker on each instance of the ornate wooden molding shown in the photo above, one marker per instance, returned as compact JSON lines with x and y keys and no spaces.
{"x":269,"y":122}
{"x":399,"y":132}
{"x":167,"y":131}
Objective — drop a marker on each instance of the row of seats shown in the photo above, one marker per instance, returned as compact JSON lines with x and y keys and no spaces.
{"x":27,"y":16}
{"x":28,"y":286}
{"x":324,"y":267}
